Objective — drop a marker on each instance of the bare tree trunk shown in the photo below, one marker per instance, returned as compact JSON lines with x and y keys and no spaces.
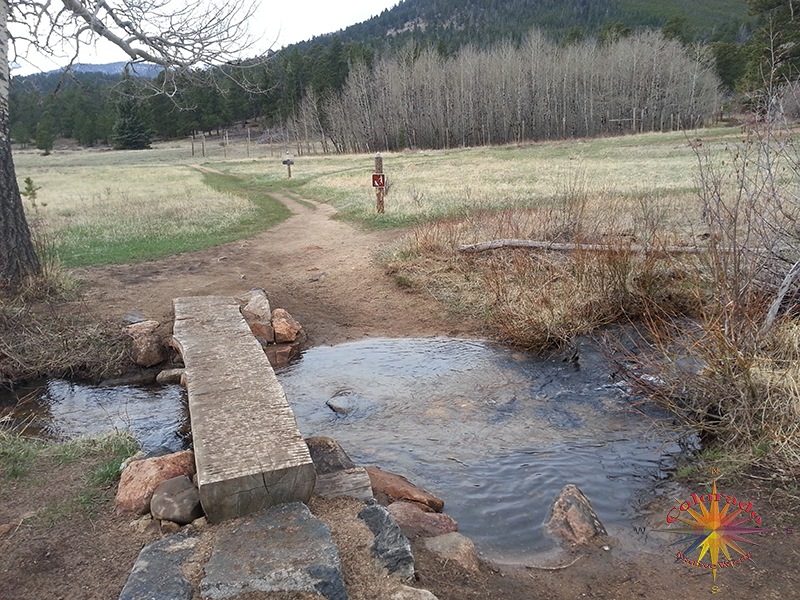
{"x":17,"y":255}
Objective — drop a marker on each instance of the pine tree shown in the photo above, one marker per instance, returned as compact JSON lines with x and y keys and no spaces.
{"x":131,"y":131}
{"x":44,"y":134}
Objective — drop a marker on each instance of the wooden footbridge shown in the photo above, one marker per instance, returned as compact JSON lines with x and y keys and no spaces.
{"x":248,"y":449}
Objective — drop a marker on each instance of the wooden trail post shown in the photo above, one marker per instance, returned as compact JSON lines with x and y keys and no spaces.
{"x":379,"y":182}
{"x":288,"y":162}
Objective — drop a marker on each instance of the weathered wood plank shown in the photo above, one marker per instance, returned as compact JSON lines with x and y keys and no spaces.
{"x":248,"y":449}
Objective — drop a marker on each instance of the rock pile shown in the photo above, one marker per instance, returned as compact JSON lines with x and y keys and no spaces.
{"x":280,"y":549}
{"x":276,"y":330}
{"x":161,"y":485}
{"x":279,"y":334}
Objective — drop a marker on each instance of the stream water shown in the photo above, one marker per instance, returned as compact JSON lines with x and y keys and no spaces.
{"x":494,"y":432}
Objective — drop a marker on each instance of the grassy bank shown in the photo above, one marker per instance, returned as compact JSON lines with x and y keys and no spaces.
{"x":30,"y":467}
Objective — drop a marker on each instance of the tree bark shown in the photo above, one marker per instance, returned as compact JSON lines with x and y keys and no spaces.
{"x":17,"y":255}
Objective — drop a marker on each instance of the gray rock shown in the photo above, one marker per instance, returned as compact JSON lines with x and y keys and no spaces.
{"x":133,"y":316}
{"x":572,"y":519}
{"x":390,"y":547}
{"x":170,"y":376}
{"x":281,"y":549}
{"x":176,"y":500}
{"x":346,"y":402}
{"x":157,"y":575}
{"x":328,"y":456}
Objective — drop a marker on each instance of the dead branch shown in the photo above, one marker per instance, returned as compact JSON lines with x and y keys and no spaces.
{"x":567,"y":247}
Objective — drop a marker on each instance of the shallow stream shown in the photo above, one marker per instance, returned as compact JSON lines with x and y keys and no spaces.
{"x":494,"y":432}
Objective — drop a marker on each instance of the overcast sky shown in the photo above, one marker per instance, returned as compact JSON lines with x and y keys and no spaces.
{"x":282,"y":22}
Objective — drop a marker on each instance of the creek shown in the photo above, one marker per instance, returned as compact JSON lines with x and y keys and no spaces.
{"x":496,"y":433}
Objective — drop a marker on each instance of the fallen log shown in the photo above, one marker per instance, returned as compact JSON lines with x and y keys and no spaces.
{"x":567,"y":247}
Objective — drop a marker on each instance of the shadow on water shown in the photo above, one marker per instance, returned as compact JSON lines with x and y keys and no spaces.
{"x":494,"y":432}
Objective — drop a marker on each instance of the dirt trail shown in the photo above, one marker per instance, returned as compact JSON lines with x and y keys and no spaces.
{"x":322,"y":270}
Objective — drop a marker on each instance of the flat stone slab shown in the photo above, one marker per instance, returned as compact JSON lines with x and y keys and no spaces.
{"x":350,"y":482}
{"x":281,"y":549}
{"x":249,"y":452}
{"x":157,"y":574}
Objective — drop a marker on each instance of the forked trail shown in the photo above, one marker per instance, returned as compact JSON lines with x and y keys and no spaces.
{"x":323,"y":271}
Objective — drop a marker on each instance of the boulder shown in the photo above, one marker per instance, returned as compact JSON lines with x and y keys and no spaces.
{"x":396,"y":487}
{"x":170,"y":376}
{"x":124,"y":465}
{"x":263,"y":330}
{"x":257,"y":308}
{"x":279,"y":355}
{"x":157,"y":573}
{"x":414,"y":521}
{"x":281,"y":549}
{"x":142,"y":477}
{"x":572,"y":519}
{"x":327,"y":455}
{"x":286,"y":328}
{"x":176,"y":500}
{"x":391,"y":549}
{"x":147,"y":349}
{"x":454,"y":547}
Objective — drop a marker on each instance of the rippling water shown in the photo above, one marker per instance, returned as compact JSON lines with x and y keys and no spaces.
{"x":493,"y":432}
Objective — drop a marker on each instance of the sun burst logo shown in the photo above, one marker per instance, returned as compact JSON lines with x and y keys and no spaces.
{"x":713,"y":530}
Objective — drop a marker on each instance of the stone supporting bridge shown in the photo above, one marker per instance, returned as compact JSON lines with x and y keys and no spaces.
{"x":248,"y":449}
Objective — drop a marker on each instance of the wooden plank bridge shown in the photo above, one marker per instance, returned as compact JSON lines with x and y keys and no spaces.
{"x":248,"y":449}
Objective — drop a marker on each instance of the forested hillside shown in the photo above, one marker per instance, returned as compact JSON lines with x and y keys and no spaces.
{"x":449,"y":24}
{"x":439,"y":73}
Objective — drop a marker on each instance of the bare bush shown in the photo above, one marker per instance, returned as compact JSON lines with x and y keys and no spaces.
{"x":732,"y":374}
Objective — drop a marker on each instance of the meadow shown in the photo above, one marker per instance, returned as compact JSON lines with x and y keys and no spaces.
{"x":632,"y":197}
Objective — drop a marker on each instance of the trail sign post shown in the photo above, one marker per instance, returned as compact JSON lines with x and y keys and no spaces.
{"x":379,"y":182}
{"x":288,"y":162}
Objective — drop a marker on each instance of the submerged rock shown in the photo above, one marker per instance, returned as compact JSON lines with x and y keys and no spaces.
{"x":572,"y":518}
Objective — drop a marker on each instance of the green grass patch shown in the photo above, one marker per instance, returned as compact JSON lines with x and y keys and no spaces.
{"x":154,"y":232}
